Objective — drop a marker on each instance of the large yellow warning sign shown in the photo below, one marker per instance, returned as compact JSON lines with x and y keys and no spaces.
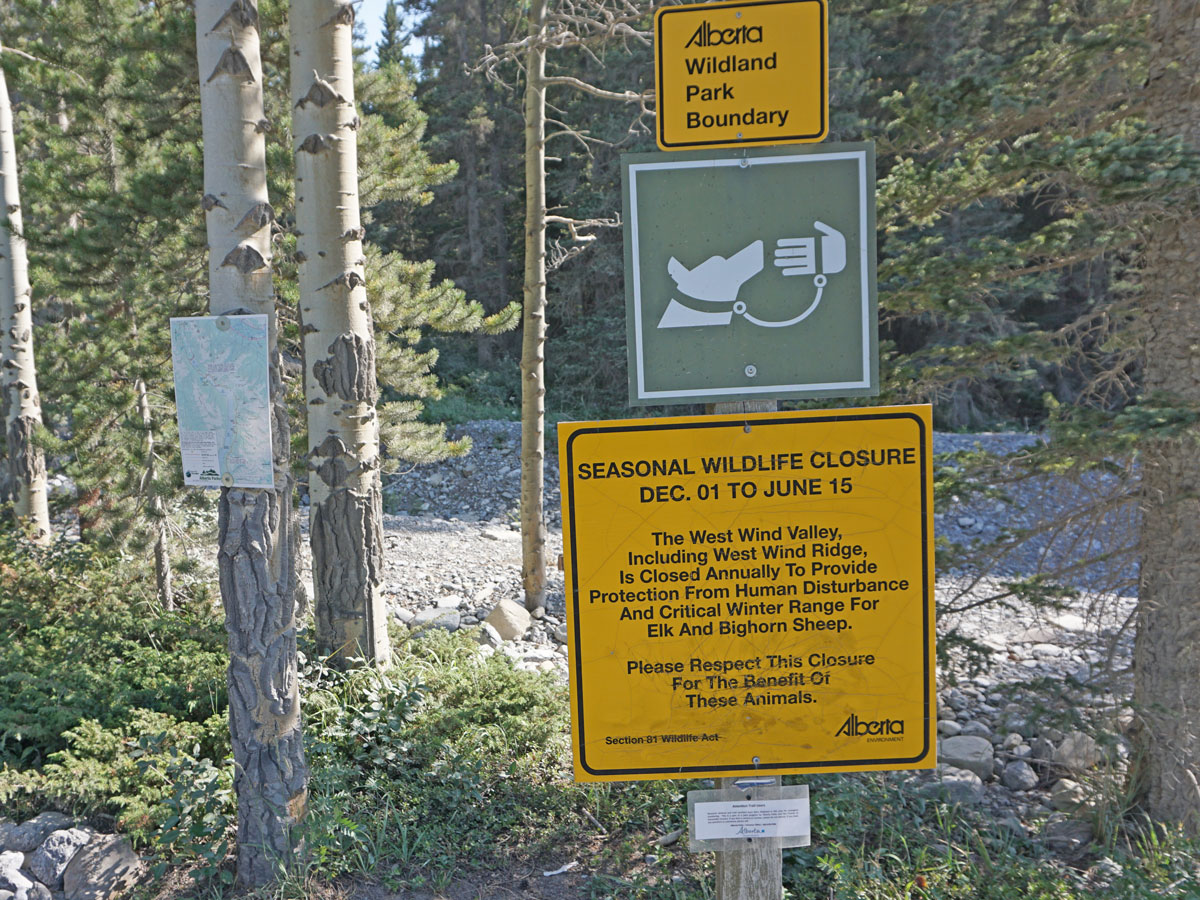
{"x":750,"y":593}
{"x":738,"y":74}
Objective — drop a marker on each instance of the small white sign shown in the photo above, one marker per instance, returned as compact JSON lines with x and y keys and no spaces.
{"x":223,"y":397}
{"x":778,"y":818}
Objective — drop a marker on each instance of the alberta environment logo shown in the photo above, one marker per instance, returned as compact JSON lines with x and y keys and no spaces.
{"x":872,"y":729}
{"x":707,"y":36}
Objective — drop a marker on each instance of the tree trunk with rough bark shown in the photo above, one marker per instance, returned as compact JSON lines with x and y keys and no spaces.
{"x":345,"y":495}
{"x":19,"y":399}
{"x":1166,"y":769}
{"x":158,"y":511}
{"x":533,"y":320}
{"x":257,"y":535}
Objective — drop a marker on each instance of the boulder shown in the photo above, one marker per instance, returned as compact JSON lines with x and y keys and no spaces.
{"x":1019,"y":776}
{"x":50,"y":860}
{"x":954,"y":786}
{"x":1078,"y":752}
{"x":487,"y":636}
{"x":510,"y":619}
{"x":30,"y":835}
{"x":969,"y":752}
{"x":446,"y":618}
{"x":1067,"y":835}
{"x":106,"y":866}
{"x":11,"y":876}
{"x":1067,"y":795}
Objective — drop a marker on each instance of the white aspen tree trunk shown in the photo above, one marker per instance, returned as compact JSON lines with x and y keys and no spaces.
{"x":257,"y":536}
{"x":1165,"y":768}
{"x":18,"y":375}
{"x":345,"y":494}
{"x":533,"y":320}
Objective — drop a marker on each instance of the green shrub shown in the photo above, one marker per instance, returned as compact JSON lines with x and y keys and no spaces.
{"x":84,"y":640}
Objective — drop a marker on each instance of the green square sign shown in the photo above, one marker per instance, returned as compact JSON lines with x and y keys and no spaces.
{"x":750,"y":274}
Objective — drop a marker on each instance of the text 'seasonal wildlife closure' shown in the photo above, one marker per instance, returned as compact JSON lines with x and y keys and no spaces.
{"x":750,"y":593}
{"x":741,"y":74}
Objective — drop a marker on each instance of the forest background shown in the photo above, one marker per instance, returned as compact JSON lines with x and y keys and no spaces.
{"x":1022,"y":179}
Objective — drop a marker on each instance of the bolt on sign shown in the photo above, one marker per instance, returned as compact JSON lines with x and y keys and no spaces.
{"x":750,"y":274}
{"x":742,"y":74}
{"x":750,"y":594}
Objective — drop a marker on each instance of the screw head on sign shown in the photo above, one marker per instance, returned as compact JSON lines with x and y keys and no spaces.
{"x":222,"y":323}
{"x":751,"y":371}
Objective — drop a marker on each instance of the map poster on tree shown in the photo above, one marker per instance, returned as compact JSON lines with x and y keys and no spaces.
{"x":223,"y":397}
{"x":750,"y":594}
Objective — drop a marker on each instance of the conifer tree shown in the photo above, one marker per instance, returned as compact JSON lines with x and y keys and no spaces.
{"x":1166,"y":773}
{"x":122,"y":249}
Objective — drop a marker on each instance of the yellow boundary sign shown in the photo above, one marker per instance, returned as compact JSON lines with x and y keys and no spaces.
{"x":750,"y":593}
{"x":742,"y":74}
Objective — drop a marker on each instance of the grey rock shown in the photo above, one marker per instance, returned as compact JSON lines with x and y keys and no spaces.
{"x":1013,"y":740}
{"x":7,"y":895}
{"x":11,"y":876}
{"x":1042,"y":749}
{"x":1067,"y":835}
{"x":106,"y":866}
{"x":6,"y":828}
{"x":560,"y":633}
{"x":450,"y":601}
{"x":1023,"y":751}
{"x":30,"y":835}
{"x":39,"y":892}
{"x":1078,"y":752}
{"x":976,"y":728}
{"x":967,"y":752}
{"x":439,"y":617}
{"x":1069,"y":622}
{"x":954,"y":786}
{"x":1013,"y":825}
{"x":510,"y":619}
{"x":403,"y":615}
{"x":1067,"y":795}
{"x":1047,"y":651}
{"x":948,"y":727}
{"x":1019,"y":776}
{"x":488,"y":636}
{"x":50,"y":860}
{"x":956,"y":699}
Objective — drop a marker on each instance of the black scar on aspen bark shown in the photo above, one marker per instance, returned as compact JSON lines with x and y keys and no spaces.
{"x":232,"y":62}
{"x":343,"y":16}
{"x":315,"y":143}
{"x":209,"y":202}
{"x":349,"y":371}
{"x":245,"y":259}
{"x":264,"y":126}
{"x":354,"y":234}
{"x":243,"y":13}
{"x":321,"y":94}
{"x":26,"y":460}
{"x":260,"y":214}
{"x":301,"y":256}
{"x":348,"y":280}
{"x":342,"y":527}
